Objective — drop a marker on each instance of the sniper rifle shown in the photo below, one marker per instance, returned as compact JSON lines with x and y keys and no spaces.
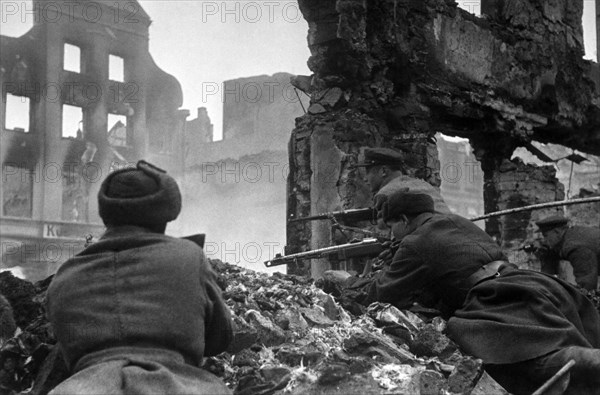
{"x":366,"y":247}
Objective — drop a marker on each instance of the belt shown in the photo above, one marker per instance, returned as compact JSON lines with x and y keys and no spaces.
{"x":490,"y":270}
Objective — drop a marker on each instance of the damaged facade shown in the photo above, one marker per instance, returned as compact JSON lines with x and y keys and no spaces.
{"x":51,"y":170}
{"x":392,"y":73}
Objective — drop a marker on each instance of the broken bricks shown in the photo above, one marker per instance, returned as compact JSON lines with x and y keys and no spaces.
{"x":312,"y":344}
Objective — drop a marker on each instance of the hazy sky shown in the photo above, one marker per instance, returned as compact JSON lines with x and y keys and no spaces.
{"x":203,"y":43}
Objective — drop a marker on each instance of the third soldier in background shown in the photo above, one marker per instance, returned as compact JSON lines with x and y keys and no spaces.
{"x":580,"y":245}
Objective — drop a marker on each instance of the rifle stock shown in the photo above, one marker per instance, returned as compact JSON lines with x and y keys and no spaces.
{"x":367,"y":247}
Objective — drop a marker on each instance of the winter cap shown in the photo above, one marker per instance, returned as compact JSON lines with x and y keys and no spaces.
{"x":549,"y":223}
{"x":408,"y":203}
{"x":144,"y":195}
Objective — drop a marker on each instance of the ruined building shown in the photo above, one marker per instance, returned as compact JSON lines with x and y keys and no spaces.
{"x":235,"y":188}
{"x":461,"y":178}
{"x":198,"y":132}
{"x":258,"y":114}
{"x":81,"y":96}
{"x":393,"y":73}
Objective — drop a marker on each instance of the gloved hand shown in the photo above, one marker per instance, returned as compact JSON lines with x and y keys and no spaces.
{"x":336,"y":276}
{"x":385,"y":257}
{"x":380,"y":200}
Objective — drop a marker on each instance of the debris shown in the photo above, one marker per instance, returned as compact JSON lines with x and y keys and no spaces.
{"x":290,"y":337}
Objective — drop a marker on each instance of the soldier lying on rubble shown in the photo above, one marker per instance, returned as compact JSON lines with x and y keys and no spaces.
{"x":524,"y":325}
{"x":137,"y":311}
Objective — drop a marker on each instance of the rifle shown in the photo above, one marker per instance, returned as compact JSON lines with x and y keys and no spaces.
{"x":369,"y":213}
{"x":366,"y":247}
{"x":352,"y":215}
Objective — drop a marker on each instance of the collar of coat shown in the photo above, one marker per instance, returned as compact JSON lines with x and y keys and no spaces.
{"x":417,"y":221}
{"x":125,"y":230}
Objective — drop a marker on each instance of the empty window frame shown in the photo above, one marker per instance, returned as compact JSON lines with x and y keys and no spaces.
{"x":589,"y":30}
{"x":17,"y":113}
{"x":117,"y":130}
{"x":116,"y":68}
{"x":72,"y":121}
{"x":72,"y":58}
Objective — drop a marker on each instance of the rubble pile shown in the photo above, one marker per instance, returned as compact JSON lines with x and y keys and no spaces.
{"x":290,"y":337}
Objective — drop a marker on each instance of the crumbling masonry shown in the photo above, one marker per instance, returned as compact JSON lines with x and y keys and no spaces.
{"x":394,"y":72}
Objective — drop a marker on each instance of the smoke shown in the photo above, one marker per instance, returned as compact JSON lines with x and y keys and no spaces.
{"x":241,"y":207}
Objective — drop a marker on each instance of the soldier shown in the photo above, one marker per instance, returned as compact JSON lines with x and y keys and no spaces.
{"x":579,"y":245}
{"x":137,"y":311}
{"x":386,"y":173}
{"x":524,"y":325}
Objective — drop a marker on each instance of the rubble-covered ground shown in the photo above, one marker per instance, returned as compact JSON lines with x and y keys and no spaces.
{"x":290,"y":338}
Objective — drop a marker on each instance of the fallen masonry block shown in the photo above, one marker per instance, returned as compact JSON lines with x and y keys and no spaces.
{"x":292,"y":355}
{"x":385,"y":314}
{"x":465,"y":375}
{"x":246,"y":357}
{"x":357,"y":365}
{"x":431,"y":382}
{"x":274,"y":373}
{"x":316,"y":317}
{"x":244,"y":335}
{"x":488,"y":386}
{"x":330,"y":308}
{"x":333,"y":373}
{"x":291,"y":320}
{"x":398,"y":379}
{"x":431,"y":343}
{"x":269,"y":334}
{"x":361,"y":341}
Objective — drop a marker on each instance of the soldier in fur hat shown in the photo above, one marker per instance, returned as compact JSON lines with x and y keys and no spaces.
{"x":137,"y":311}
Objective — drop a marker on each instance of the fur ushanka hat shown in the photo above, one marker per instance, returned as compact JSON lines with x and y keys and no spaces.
{"x":144,"y":195}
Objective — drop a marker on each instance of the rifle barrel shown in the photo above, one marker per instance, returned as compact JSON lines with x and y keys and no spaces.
{"x":537,"y":206}
{"x":356,"y":214}
{"x":342,"y":251}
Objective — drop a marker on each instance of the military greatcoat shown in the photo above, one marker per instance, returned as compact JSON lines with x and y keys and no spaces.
{"x":135,"y":313}
{"x":516,"y":316}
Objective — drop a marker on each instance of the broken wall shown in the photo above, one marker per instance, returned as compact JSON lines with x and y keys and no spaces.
{"x":392,"y":73}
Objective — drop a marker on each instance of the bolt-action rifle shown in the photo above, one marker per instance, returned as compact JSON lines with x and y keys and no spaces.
{"x":352,"y":215}
{"x":366,"y":247}
{"x":369,"y":213}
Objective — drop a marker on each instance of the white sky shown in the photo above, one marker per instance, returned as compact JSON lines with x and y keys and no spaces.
{"x":203,"y":43}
